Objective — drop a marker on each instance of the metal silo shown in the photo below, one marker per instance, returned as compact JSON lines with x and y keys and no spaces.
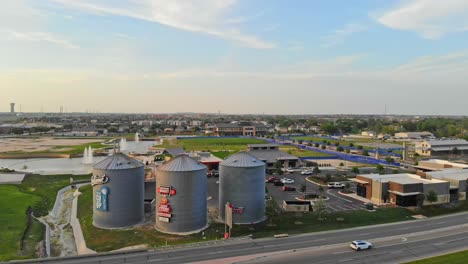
{"x":181,"y":196}
{"x":242,"y":185}
{"x":118,"y":192}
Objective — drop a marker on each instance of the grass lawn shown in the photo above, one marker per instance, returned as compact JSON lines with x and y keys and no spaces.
{"x":212,"y":144}
{"x":302,"y":153}
{"x":454,"y":258}
{"x":105,"y":240}
{"x":79,"y":149}
{"x":46,"y":187}
{"x":13,"y":206}
{"x":437,"y":210}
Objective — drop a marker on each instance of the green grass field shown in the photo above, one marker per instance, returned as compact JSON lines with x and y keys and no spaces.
{"x":39,"y":193}
{"x":454,"y":258}
{"x":212,"y":144}
{"x":13,"y":206}
{"x":302,"y":153}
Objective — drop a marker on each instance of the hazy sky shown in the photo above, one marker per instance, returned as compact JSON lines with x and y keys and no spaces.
{"x":236,"y":56}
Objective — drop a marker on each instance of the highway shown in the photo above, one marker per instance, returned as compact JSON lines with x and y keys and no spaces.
{"x":404,"y":240}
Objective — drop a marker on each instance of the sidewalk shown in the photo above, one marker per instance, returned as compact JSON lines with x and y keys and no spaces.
{"x":75,"y":224}
{"x":356,"y":197}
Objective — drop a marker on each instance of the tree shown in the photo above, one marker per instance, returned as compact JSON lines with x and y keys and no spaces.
{"x":359,"y":147}
{"x":320,"y":207}
{"x":348,"y":151}
{"x":390,"y":159}
{"x":337,"y":144}
{"x":341,"y":164}
{"x":420,"y":199}
{"x":270,"y":210}
{"x":303,"y":189}
{"x":321,"y":190}
{"x":347,"y":186}
{"x":324,"y":147}
{"x":316,"y":145}
{"x":365,"y":153}
{"x":432,"y":196}
{"x":380,"y":169}
{"x":328,"y":176}
{"x":351,"y":145}
{"x":355,"y":170}
{"x":316,"y":170}
{"x":340,"y":149}
{"x":278,"y":167}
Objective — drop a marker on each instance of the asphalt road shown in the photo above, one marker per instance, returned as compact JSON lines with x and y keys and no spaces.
{"x":387,"y":239}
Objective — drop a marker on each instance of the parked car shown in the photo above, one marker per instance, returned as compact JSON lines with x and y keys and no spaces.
{"x":290,"y":170}
{"x":209,"y":174}
{"x":306,"y":172}
{"x":271,"y":179}
{"x":337,"y":185}
{"x":215,"y":173}
{"x":289,"y":188}
{"x":360,"y":245}
{"x":278,"y":183}
{"x":287,"y":181}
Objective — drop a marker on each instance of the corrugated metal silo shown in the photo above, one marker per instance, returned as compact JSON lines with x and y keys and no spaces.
{"x":118,"y":192}
{"x":242,"y":185}
{"x":181,"y":206}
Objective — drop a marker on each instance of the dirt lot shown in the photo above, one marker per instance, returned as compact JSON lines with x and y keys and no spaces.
{"x":41,"y":144}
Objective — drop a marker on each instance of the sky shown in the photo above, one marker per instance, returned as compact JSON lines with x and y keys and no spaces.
{"x":235,"y":56}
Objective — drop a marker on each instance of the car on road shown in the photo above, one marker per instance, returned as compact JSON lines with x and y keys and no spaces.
{"x":288,"y":188}
{"x":287,"y":181}
{"x":359,"y":245}
{"x":278,"y":183}
{"x":306,"y":172}
{"x":271,"y":179}
{"x":338,"y":185}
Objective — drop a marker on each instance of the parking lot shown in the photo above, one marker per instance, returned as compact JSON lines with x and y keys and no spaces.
{"x":335,"y":202}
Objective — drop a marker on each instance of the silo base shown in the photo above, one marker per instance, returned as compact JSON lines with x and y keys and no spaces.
{"x":220,"y":220}
{"x":122,"y":227}
{"x":182,"y":233}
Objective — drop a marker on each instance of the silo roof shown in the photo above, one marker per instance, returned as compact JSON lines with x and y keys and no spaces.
{"x":242,"y":159}
{"x":118,"y":161}
{"x":182,"y":163}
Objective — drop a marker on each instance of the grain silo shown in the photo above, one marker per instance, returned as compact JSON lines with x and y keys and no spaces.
{"x":118,"y":192}
{"x":242,"y":185}
{"x":181,"y":196}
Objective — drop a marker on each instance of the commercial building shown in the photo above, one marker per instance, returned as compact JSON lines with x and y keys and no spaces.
{"x":271,"y":154}
{"x":241,"y":129}
{"x":414,"y":135}
{"x":441,"y":147}
{"x":437,"y":165}
{"x":457,"y":178}
{"x":400,"y":189}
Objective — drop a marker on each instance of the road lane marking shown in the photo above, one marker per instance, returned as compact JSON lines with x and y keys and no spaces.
{"x":341,"y":252}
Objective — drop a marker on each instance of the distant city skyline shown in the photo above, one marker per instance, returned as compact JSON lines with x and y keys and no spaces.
{"x":236,"y":56}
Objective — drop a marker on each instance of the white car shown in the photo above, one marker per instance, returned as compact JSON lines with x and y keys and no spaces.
{"x":337,"y":185}
{"x":360,"y":245}
{"x":287,"y":181}
{"x":290,"y":170}
{"x":306,"y":172}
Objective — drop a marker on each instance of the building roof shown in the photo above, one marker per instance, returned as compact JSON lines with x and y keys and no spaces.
{"x":175,"y":151}
{"x":242,"y":159}
{"x":453,"y":174}
{"x":447,"y":142}
{"x":227,"y":125}
{"x":403,"y":178}
{"x":271,"y":156}
{"x":118,"y":161}
{"x":182,"y":163}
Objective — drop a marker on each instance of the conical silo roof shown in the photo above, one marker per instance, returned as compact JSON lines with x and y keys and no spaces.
{"x":182,"y":162}
{"x":118,"y":161}
{"x":242,"y":160}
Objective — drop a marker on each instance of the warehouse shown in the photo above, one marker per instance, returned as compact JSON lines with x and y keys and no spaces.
{"x":437,"y":165}
{"x":430,"y":148}
{"x":457,"y":178}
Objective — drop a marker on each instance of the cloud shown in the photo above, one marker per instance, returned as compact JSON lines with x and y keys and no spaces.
{"x":202,"y":16}
{"x":339,"y":35}
{"x":40,"y":37}
{"x":430,"y":18}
